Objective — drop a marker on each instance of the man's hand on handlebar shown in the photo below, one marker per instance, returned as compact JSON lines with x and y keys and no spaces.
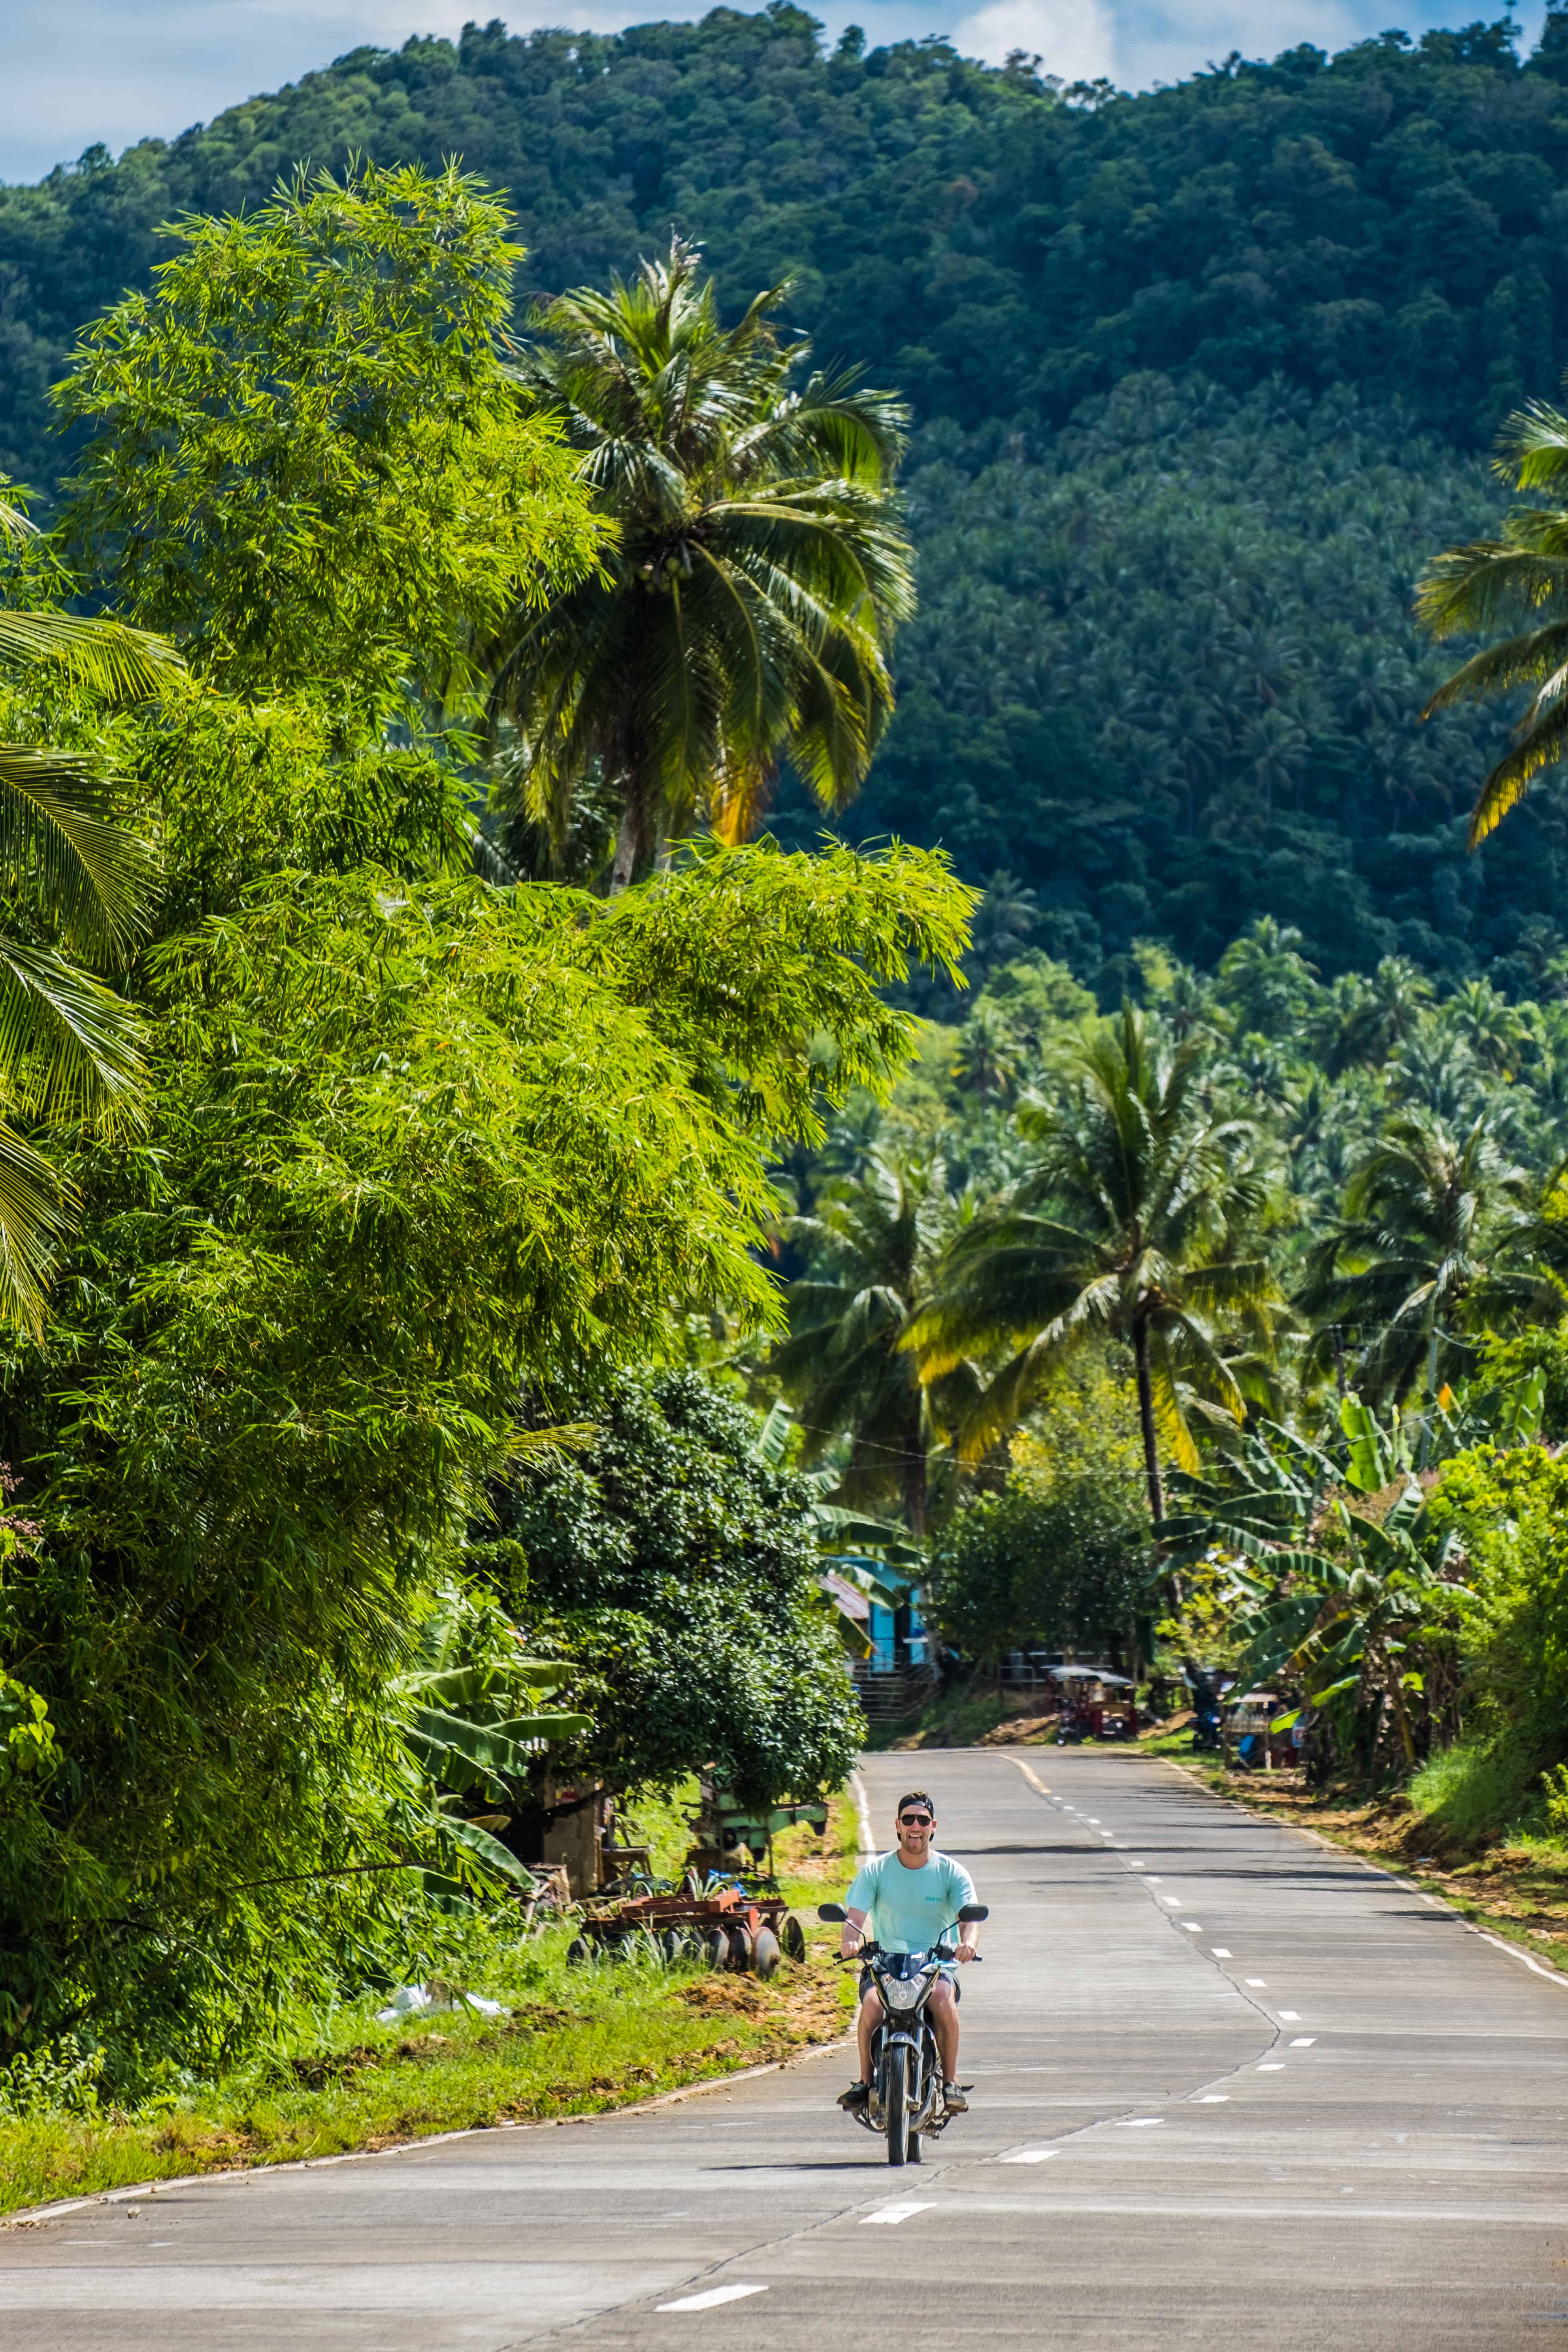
{"x":852,"y":1936}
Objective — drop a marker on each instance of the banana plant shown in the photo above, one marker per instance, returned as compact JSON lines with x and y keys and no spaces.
{"x":457,"y":1716}
{"x":1324,"y":1589}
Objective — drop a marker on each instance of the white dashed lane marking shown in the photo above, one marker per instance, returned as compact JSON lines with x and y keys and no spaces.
{"x":1029,"y":2155}
{"x":893,"y":2213}
{"x":706,"y":2302}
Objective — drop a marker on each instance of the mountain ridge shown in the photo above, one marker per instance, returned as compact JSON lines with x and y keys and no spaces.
{"x":1368,"y":245}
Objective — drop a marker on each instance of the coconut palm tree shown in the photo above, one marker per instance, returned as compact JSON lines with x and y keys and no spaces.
{"x":1133,"y":1223}
{"x":1266,"y":980}
{"x":67,"y":1042}
{"x":1361,"y":1020}
{"x":873,"y":1247}
{"x":1435,"y":1234}
{"x":1518,"y":581}
{"x":743,"y":609}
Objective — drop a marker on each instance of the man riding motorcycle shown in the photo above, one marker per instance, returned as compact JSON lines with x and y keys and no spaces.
{"x":905,"y":1900}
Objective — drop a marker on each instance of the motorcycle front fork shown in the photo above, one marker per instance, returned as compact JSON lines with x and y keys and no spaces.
{"x":926,"y":2077}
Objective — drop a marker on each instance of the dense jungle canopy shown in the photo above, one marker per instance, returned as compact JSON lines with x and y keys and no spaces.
{"x":1199,"y":377}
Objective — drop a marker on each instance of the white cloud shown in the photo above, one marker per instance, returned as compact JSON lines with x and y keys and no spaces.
{"x":1070,"y":37}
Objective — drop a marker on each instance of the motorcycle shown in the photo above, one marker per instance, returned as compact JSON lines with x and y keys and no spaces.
{"x":905,"y":2069}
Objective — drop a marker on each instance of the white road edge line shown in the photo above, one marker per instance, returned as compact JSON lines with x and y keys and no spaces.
{"x":865,"y":1847}
{"x":1293,"y":1829}
{"x":237,"y":2175}
{"x":1515,"y":1954}
{"x":706,"y":2302}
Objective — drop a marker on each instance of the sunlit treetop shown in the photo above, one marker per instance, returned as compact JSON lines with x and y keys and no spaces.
{"x":303,"y":460}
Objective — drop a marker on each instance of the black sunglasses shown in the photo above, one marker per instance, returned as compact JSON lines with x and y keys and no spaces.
{"x":915,"y":1821}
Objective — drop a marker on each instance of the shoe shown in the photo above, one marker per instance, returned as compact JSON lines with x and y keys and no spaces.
{"x":954,"y":2100}
{"x":855,"y":2098}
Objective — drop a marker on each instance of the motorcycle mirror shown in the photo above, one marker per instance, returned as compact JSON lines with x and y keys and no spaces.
{"x":975,"y":1911}
{"x":833,"y":1913}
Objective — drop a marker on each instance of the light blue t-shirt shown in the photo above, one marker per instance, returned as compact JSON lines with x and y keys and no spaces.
{"x":908,"y":1909}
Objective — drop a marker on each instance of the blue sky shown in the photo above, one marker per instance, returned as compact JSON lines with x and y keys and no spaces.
{"x":78,"y":71}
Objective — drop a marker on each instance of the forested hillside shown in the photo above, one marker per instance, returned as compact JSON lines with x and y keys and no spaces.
{"x":1200,"y":378}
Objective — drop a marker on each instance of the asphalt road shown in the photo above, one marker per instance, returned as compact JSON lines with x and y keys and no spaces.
{"x":1231,"y":2088}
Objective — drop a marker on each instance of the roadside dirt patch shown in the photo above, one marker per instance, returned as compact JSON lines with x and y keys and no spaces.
{"x":800,"y":2007}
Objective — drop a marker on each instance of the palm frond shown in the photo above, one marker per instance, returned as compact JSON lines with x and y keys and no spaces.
{"x":105,"y":657}
{"x":34,"y":1216}
{"x":97,"y":877}
{"x":70,"y":1048}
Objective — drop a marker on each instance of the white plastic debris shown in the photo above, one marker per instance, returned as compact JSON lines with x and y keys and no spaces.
{"x":411,"y":2000}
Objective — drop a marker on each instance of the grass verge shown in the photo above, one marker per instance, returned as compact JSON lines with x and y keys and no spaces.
{"x":576,"y":2040}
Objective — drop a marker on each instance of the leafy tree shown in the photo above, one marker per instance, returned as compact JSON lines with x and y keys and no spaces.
{"x":409,"y":1146}
{"x":873,"y":1244}
{"x":1421,"y":1250}
{"x":745,"y":606}
{"x":1133,"y":1222}
{"x":301,"y":458}
{"x":467,"y":1711}
{"x":1060,"y":1558}
{"x":674,"y":1569}
{"x":1503,"y":1503}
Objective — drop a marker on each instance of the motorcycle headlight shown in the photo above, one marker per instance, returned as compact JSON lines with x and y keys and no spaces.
{"x":901,"y":1992}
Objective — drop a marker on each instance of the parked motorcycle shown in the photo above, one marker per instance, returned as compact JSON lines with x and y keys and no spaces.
{"x":906,"y":2068}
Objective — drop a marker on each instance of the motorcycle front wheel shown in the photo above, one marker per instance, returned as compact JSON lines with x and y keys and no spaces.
{"x":896,"y":2106}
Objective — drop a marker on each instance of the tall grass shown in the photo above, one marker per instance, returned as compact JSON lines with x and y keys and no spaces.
{"x":1481,"y":1791}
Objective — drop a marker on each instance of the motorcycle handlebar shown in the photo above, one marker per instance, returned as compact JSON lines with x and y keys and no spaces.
{"x":874,"y":1952}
